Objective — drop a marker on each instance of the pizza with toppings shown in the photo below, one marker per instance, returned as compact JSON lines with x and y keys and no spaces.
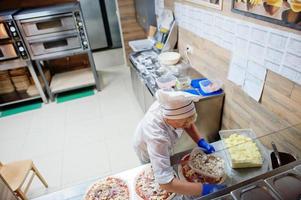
{"x":188,"y":174}
{"x":148,"y":189}
{"x":110,"y":188}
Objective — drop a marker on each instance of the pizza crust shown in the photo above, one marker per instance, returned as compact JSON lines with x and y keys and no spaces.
{"x":193,"y":176}
{"x":141,"y":196}
{"x":110,"y":188}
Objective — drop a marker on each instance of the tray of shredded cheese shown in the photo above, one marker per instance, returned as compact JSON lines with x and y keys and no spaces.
{"x":246,"y":155}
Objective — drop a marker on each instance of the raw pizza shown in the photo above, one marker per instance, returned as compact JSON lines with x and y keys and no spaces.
{"x":148,"y":189}
{"x":108,"y":189}
{"x":190,"y":175}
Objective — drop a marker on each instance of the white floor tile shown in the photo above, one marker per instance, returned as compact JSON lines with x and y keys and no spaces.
{"x":15,"y":126}
{"x":108,"y":58}
{"x":122,"y":155}
{"x":40,"y":142}
{"x":50,"y":166}
{"x":77,"y":140}
{"x":10,"y":150}
{"x":82,"y":109}
{"x":85,"y":162}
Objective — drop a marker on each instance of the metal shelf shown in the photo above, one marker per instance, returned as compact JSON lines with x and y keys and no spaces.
{"x":76,"y":79}
{"x":19,"y":100}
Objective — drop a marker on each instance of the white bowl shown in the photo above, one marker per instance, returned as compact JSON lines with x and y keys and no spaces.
{"x":169,"y":58}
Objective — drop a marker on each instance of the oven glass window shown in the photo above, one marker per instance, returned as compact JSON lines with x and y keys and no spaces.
{"x":49,"y":24}
{"x":3,"y":32}
{"x":55,"y":44}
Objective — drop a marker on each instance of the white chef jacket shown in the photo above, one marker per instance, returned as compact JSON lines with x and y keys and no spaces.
{"x":154,"y":140}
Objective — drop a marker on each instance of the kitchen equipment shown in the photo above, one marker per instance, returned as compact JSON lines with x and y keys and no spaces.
{"x":287,"y":185}
{"x":169,"y":58}
{"x":14,"y":59}
{"x":93,"y":16}
{"x":102,"y":23}
{"x":166,"y":81}
{"x":284,"y":159}
{"x":55,"y":32}
{"x":276,"y":153}
{"x":257,"y":190}
{"x":11,"y":45}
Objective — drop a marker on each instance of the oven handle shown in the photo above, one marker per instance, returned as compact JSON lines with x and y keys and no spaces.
{"x":54,"y":38}
{"x":42,"y":19}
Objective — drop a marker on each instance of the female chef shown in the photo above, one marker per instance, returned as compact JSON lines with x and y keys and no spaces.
{"x":159,"y":130}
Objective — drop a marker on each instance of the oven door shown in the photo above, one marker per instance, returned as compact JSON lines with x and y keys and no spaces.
{"x":3,"y":32}
{"x":7,"y":51}
{"x":54,"y":44}
{"x":49,"y":24}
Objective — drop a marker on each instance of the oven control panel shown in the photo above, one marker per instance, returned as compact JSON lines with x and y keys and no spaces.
{"x":81,"y":30}
{"x":12,"y":29}
{"x":17,"y":39}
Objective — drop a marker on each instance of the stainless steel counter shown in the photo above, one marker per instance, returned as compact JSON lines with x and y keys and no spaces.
{"x":209,"y":108}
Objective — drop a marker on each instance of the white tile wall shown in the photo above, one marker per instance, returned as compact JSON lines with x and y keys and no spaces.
{"x":255,"y":48}
{"x":272,"y":66}
{"x":274,"y":55}
{"x":294,"y":46}
{"x":293,"y":61}
{"x":288,"y":73}
{"x":259,"y":35}
{"x":277,"y":41}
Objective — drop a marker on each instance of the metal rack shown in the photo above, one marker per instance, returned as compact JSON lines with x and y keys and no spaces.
{"x":56,"y":32}
{"x":21,"y":60}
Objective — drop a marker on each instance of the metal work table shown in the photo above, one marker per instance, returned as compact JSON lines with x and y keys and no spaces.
{"x":209,"y":108}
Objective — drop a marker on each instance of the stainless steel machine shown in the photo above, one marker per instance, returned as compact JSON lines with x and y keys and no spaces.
{"x":14,"y":55}
{"x":55,"y":32}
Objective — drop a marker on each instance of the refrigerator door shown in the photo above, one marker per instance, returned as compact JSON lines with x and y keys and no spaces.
{"x":113,"y":23}
{"x":94,"y":23}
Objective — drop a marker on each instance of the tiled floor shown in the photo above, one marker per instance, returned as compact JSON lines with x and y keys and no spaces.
{"x":76,"y":140}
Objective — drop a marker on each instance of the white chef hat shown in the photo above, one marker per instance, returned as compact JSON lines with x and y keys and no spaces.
{"x":176,"y":104}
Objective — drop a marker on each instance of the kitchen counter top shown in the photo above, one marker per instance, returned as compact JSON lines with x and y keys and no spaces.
{"x":233,"y":181}
{"x":149,"y":65}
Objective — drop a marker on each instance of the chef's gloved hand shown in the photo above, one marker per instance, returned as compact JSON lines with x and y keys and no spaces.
{"x":208,"y":148}
{"x":210,"y":188}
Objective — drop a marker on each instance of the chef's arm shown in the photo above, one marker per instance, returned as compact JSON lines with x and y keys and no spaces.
{"x":196,"y":136}
{"x":183,"y":187}
{"x":194,"y":133}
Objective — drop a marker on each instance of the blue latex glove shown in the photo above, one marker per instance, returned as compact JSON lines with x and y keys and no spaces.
{"x":208,"y":148}
{"x":210,"y":188}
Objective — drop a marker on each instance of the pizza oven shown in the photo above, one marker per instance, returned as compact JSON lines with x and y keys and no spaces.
{"x":11,"y":43}
{"x":52,"y":31}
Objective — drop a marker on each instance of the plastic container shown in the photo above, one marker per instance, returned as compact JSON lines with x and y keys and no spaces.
{"x":141,"y":45}
{"x":166,"y":81}
{"x":249,"y":171}
{"x":215,"y":166}
{"x":210,"y":86}
{"x":169,"y":58}
{"x":183,"y":83}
